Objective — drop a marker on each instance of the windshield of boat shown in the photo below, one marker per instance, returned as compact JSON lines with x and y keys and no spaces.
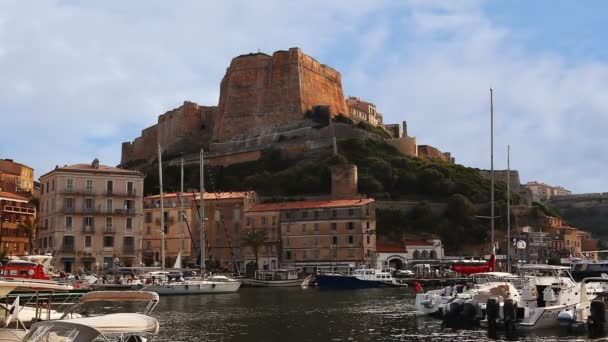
{"x":53,"y":332}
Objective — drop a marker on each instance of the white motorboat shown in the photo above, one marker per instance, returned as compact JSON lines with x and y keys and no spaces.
{"x":121,"y":327}
{"x":549,"y":291}
{"x":274,"y":278}
{"x":91,"y":303}
{"x":482,"y":286}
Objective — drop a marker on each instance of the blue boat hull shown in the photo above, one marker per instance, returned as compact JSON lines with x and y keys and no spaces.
{"x":336,"y":282}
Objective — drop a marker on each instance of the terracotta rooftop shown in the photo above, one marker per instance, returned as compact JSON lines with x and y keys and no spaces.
{"x":389,"y":248}
{"x":310,"y":204}
{"x":208,"y":195}
{"x":88,"y":168}
{"x":9,"y":196}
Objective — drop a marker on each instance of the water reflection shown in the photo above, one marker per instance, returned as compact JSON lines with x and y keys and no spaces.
{"x":298,"y":315}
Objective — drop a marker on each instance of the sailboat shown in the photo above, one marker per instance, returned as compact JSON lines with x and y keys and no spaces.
{"x":211,"y":285}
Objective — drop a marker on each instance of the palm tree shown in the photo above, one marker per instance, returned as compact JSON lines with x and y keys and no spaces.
{"x":254,"y":239}
{"x":29,"y":227}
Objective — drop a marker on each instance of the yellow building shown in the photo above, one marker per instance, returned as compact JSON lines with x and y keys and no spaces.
{"x":22,"y":176}
{"x":15,"y":210}
{"x":91,"y":217}
{"x":259,"y":217}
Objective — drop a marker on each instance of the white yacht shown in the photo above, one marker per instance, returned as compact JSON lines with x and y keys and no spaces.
{"x":549,"y":291}
{"x":212,"y":285}
{"x":482,"y":286}
{"x":275,"y":278}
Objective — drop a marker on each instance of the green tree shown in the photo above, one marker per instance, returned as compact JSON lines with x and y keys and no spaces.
{"x":29,"y":228}
{"x":255,"y":238}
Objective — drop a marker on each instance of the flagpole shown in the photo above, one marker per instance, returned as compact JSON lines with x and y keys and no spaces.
{"x":492,"y":165}
{"x":509,"y":208}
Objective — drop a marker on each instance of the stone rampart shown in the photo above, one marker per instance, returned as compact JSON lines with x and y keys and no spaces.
{"x":405,"y":145}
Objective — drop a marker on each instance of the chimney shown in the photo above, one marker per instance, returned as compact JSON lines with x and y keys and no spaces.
{"x":95,"y":163}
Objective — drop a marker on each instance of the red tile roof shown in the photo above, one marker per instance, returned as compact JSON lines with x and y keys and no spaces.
{"x":88,"y":168}
{"x":310,"y":204}
{"x":388,"y":248}
{"x":208,"y":195}
{"x":9,"y":196}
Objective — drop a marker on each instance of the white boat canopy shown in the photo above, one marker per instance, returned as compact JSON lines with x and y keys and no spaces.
{"x":122,"y":296}
{"x":118,"y":323}
{"x":543,"y":267}
{"x":9,"y":285}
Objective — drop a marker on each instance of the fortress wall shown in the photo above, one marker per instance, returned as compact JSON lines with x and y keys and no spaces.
{"x":405,"y":145}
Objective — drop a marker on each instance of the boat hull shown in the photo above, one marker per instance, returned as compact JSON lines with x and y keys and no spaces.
{"x":194,"y":289}
{"x":272,"y":283}
{"x":545,"y":318}
{"x":338,"y":282}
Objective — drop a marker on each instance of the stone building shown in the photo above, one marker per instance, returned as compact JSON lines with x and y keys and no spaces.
{"x":91,"y":216}
{"x":332,"y":233}
{"x":15,"y":210}
{"x":542,"y":192}
{"x":431,"y":152}
{"x":178,"y":231}
{"x":21,"y":177}
{"x":224,"y":219}
{"x":359,"y":110}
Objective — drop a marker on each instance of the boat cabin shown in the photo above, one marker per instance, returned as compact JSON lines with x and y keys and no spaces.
{"x":280,"y":274}
{"x":23,"y":269}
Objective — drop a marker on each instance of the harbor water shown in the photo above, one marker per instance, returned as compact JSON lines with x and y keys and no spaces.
{"x":296,"y":314}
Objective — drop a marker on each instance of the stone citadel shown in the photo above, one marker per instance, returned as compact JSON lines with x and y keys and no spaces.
{"x":263,"y":102}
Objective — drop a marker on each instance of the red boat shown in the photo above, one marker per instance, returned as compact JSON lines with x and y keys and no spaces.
{"x":488,"y":267}
{"x":23,"y":270}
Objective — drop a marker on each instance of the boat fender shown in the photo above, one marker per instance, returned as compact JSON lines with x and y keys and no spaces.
{"x":566,"y":316}
{"x":213,"y":285}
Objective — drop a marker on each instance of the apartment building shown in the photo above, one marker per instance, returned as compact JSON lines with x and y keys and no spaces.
{"x":91,"y":216}
{"x":261,"y":217}
{"x":16,"y":177}
{"x":178,"y":231}
{"x":16,"y":210}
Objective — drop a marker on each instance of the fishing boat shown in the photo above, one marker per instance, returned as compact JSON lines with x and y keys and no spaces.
{"x":274,"y":278}
{"x":362,"y":278}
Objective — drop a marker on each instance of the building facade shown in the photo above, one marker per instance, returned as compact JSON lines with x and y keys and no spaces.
{"x":268,"y":254}
{"x":363,"y":111}
{"x":541,"y":192}
{"x":177,"y":229}
{"x":224,"y":220}
{"x":16,"y":210}
{"x":333,"y":233}
{"x":20,"y":175}
{"x":91,"y":217}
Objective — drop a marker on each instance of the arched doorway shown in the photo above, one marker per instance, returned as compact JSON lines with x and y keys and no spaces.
{"x":416,"y":255}
{"x":250,"y":269}
{"x":396,"y":263}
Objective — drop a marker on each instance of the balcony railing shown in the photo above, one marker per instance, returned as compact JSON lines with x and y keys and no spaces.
{"x":128,"y":249}
{"x":88,"y":229}
{"x":105,"y":192}
{"x":19,"y":210}
{"x":97,"y":211}
{"x":67,"y":248}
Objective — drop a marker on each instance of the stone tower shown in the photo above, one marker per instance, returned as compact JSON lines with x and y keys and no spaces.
{"x":344,"y":182}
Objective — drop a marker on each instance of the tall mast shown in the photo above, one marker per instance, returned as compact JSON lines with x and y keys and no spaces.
{"x":492,"y":165}
{"x":180,"y":211}
{"x":201,"y":214}
{"x":162,"y":208}
{"x":509,"y":208}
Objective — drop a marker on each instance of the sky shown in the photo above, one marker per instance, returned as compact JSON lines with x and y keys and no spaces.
{"x":77,"y":78}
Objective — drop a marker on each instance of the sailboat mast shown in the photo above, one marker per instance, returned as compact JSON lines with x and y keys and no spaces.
{"x":180,"y":212}
{"x":492,"y":166}
{"x":162,"y":208}
{"x":509,"y":208}
{"x":201,"y":214}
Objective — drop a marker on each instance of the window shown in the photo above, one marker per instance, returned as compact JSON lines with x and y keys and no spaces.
{"x":68,"y":222}
{"x":351,"y":226}
{"x":148,"y":217}
{"x":304,"y":228}
{"x":88,"y":185}
{"x":287,"y":254}
{"x":108,"y":241}
{"x":130,"y":189}
{"x":316,"y":213}
{"x":263,"y":219}
{"x":88,"y":203}
{"x":351,"y":212}
{"x":334,"y":226}
{"x":109,"y":205}
{"x":88,"y":222}
{"x":316,"y":226}
{"x":88,"y":241}
{"x":42,"y":188}
{"x":109,"y":187}
{"x":304,"y":214}
{"x":218,"y":214}
{"x":68,"y":241}
{"x":129,"y":224}
{"x":128,"y":205}
{"x":108,"y":224}
{"x":148,"y":230}
{"x":69,"y":203}
{"x":249,"y":221}
{"x":53,"y":185}
{"x":368,"y":240}
{"x":351,"y":239}
{"x":315,"y":240}
{"x":334,"y":213}
{"x":334,"y":240}
{"x":367,"y":225}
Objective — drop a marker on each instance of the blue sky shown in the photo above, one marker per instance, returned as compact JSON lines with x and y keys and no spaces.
{"x":78,"y":78}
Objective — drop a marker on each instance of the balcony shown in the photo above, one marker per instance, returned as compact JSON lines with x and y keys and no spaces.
{"x":67,"y":248}
{"x":88,"y":229}
{"x":19,"y":210}
{"x":168,"y":220}
{"x":109,"y":230}
{"x":128,"y":211}
{"x":128,"y":249}
{"x":115,"y":193}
